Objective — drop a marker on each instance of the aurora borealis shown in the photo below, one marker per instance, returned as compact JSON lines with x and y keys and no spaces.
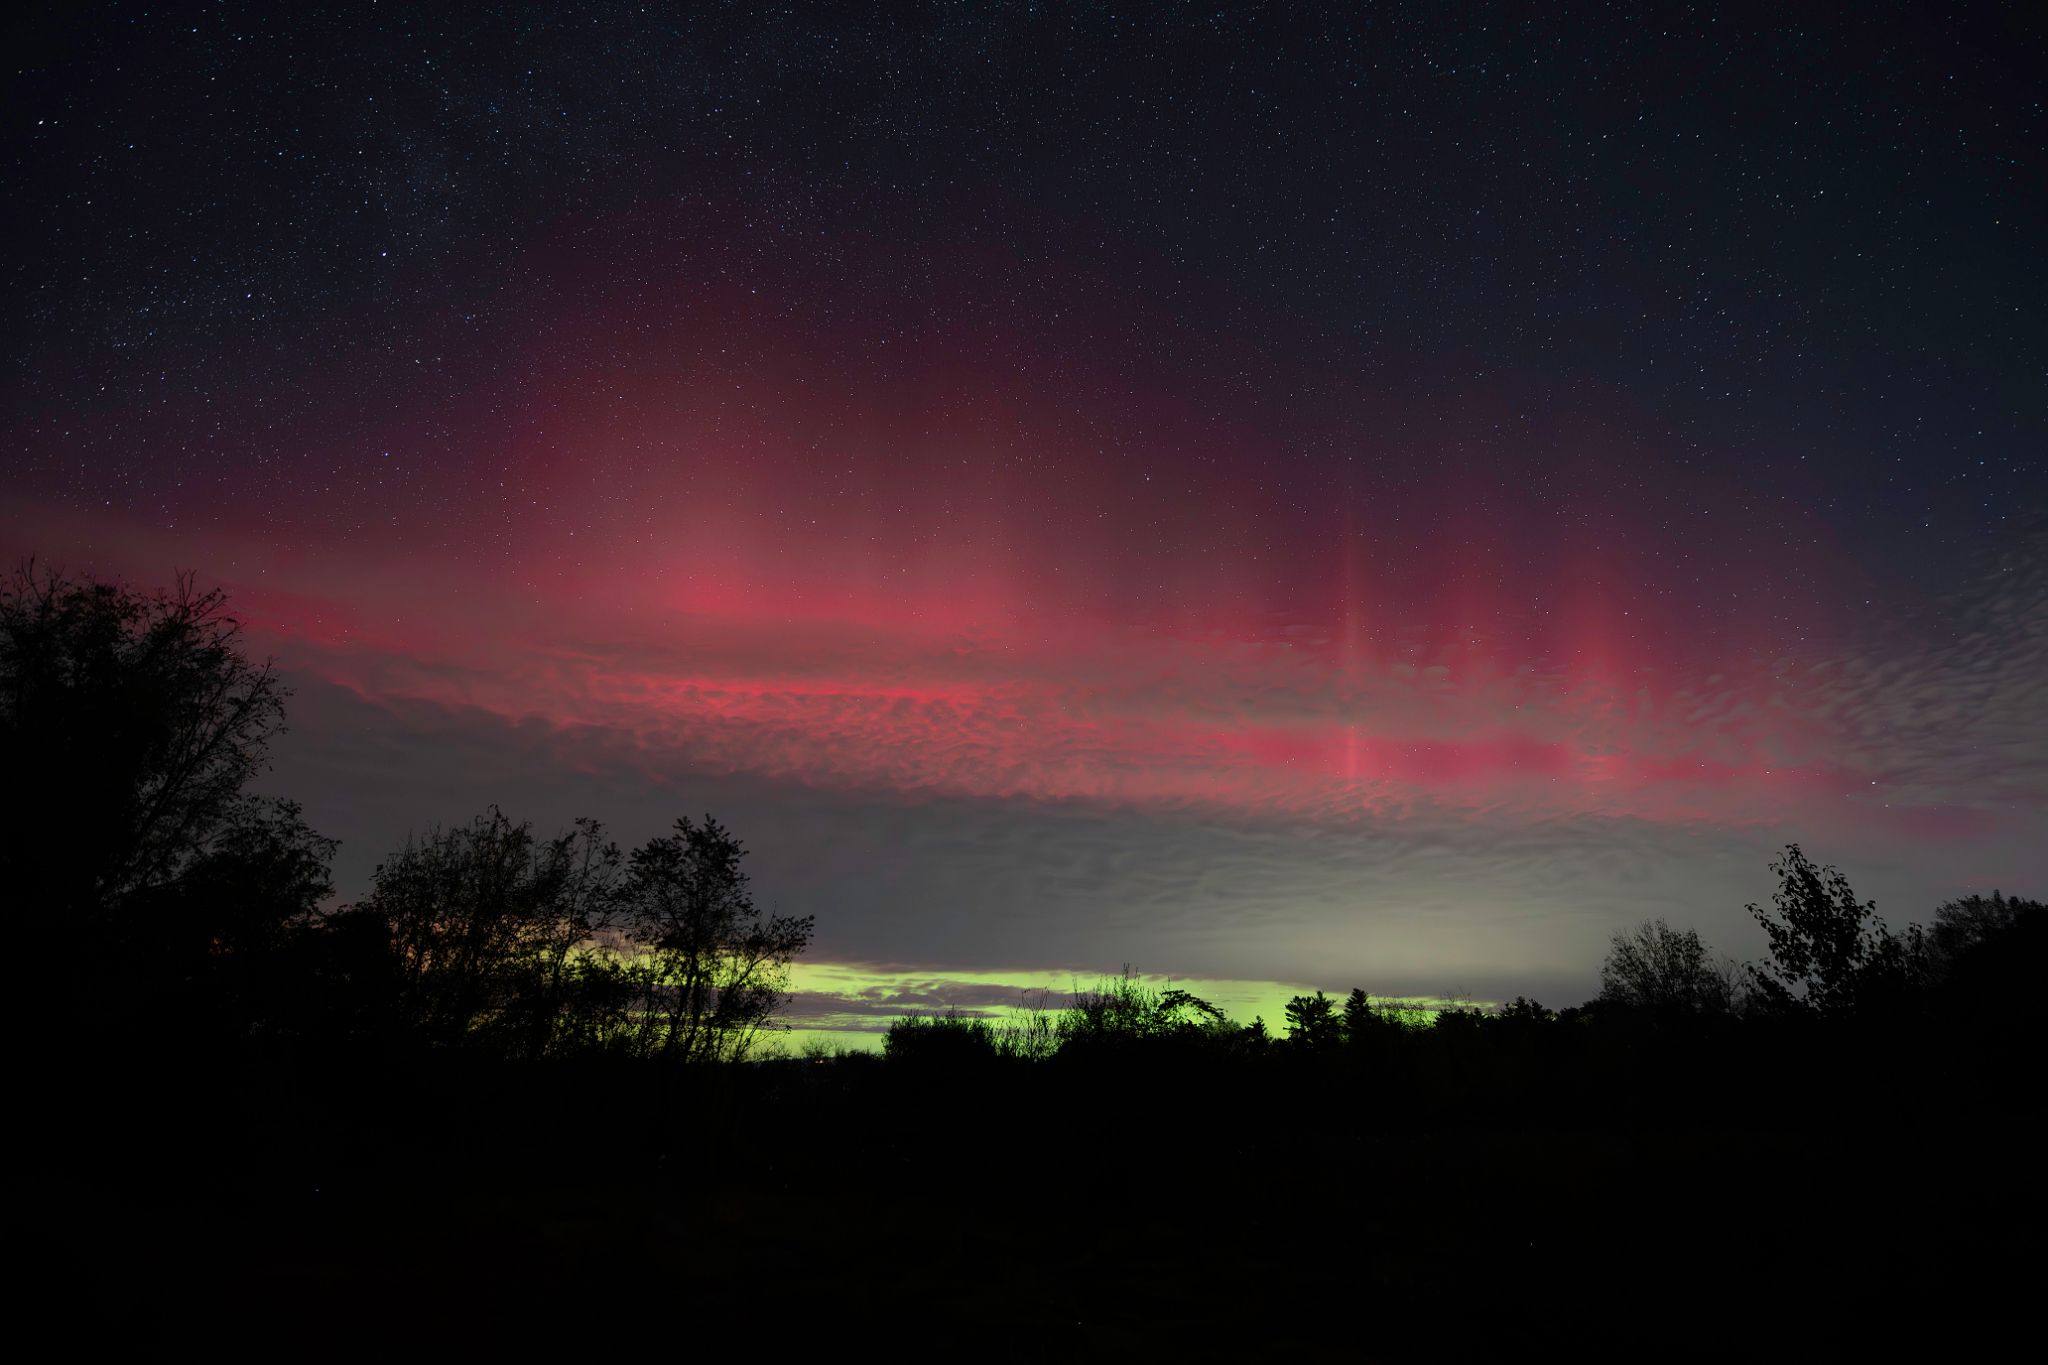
{"x":1324,"y":497}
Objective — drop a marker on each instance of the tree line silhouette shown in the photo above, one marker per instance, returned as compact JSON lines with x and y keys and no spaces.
{"x":1832,"y":962}
{"x":502,"y":1004}
{"x":138,"y":723}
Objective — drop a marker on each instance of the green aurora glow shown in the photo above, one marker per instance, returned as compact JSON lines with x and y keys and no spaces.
{"x":851,"y":1004}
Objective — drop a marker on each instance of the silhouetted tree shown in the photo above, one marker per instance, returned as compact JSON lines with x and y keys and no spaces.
{"x":1122,"y":1014}
{"x":1665,"y":971}
{"x":1985,"y":958}
{"x":130,"y":722}
{"x":1312,"y":1021}
{"x":1121,"y":1009}
{"x":1032,"y":1033}
{"x":349,"y":985}
{"x":1523,"y":1011}
{"x":485,"y":920}
{"x":1182,"y":1011}
{"x":1359,"y":1017}
{"x":1830,"y":953}
{"x":715,"y":971}
{"x":1978,"y":926}
{"x":1366,"y":1025}
{"x":130,"y":725}
{"x":222,"y":938}
{"x":1459,"y":1021}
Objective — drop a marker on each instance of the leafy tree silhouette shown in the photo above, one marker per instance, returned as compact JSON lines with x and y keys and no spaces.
{"x":1522,"y":1012}
{"x":1667,"y":972}
{"x":1830,"y":953}
{"x":1984,"y":956}
{"x":137,"y":722}
{"x":716,"y":971}
{"x":1969,"y":931}
{"x":484,"y":921}
{"x":225,"y":936}
{"x":1123,"y":1008}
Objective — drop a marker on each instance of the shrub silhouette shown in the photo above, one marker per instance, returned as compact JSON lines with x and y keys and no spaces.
{"x":945,"y":1040}
{"x":1124,"y":1016}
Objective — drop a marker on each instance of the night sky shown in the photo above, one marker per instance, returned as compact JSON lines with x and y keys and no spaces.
{"x":1336,"y":496}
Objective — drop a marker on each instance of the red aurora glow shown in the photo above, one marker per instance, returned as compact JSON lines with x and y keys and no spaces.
{"x":710,"y":514}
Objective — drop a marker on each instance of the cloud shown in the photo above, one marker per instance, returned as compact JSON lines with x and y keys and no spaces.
{"x":1424,"y":817}
{"x":1265,"y":727}
{"x":1439,"y":902}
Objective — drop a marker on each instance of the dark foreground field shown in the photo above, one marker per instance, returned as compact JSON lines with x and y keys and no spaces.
{"x":1729,"y":1208}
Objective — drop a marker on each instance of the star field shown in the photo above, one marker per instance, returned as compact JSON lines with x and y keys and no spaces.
{"x":1450,"y":426}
